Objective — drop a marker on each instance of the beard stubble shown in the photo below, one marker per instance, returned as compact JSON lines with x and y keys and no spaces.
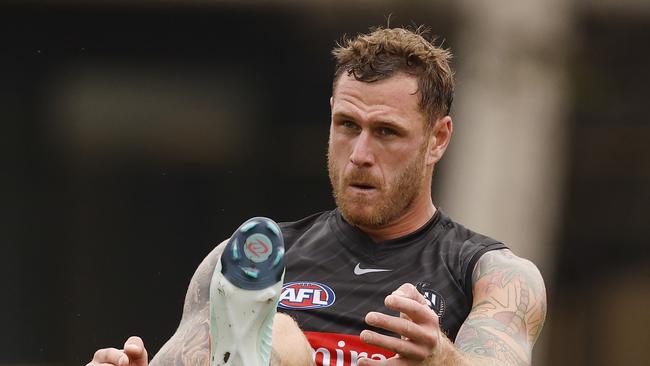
{"x":394,"y":200}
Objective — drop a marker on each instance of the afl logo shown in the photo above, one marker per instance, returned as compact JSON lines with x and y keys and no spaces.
{"x":306,"y":295}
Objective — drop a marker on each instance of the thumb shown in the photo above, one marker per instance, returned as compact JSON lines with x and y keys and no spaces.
{"x":134,"y":349}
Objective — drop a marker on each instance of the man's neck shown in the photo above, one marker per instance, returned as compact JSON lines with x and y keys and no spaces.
{"x":409,"y":222}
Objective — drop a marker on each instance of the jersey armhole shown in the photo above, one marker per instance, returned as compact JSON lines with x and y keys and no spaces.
{"x":469,"y":270}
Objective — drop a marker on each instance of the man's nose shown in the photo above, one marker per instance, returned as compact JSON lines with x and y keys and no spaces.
{"x":362,"y":154}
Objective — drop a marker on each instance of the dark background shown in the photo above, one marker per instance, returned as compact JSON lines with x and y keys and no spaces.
{"x":133,"y":139}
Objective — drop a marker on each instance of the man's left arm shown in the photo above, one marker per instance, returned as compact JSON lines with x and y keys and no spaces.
{"x":506,"y":318}
{"x":508,"y":312}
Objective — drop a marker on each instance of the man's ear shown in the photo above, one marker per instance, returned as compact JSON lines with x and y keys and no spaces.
{"x":331,"y":102}
{"x":439,"y":139}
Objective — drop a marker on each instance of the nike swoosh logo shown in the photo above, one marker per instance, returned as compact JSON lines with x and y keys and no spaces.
{"x":359,"y":271}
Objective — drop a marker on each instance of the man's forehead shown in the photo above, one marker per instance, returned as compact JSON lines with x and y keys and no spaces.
{"x":393,"y":100}
{"x":398,"y":92}
{"x":405,"y":82}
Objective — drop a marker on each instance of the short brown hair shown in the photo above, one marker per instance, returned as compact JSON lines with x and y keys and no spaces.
{"x":385,"y":51}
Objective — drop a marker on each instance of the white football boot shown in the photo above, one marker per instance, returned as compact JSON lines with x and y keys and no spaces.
{"x":244,"y":292}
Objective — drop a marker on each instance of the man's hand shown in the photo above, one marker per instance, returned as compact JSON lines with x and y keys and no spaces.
{"x":133,"y":354}
{"x":417,"y":325}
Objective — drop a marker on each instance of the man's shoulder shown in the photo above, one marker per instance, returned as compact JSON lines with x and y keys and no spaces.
{"x":459,"y":235}
{"x":461,"y":248}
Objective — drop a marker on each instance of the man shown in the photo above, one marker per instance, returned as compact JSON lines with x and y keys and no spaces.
{"x":386,"y":278}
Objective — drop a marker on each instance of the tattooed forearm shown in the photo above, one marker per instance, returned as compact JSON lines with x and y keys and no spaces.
{"x":508,"y":312}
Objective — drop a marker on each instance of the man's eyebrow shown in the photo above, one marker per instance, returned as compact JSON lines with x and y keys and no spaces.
{"x":343,"y":114}
{"x":392,"y":125}
{"x":390,"y":121}
{"x":384,"y":122}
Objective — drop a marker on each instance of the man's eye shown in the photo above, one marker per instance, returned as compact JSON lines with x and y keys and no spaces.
{"x":385,"y":131}
{"x":349,"y":125}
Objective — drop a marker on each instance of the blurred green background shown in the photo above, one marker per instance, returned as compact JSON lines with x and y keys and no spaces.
{"x":136,"y":135}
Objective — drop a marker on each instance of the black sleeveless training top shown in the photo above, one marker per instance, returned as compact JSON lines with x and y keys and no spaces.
{"x":336,"y":274}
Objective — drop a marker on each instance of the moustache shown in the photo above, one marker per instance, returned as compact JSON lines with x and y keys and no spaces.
{"x":361,"y":177}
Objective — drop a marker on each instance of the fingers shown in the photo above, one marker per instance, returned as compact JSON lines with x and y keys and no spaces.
{"x":134,"y":349}
{"x":404,"y":327}
{"x":133,"y":354}
{"x":417,"y":325}
{"x":409,"y":291}
{"x":409,"y":330}
{"x":109,"y":356}
{"x":404,"y":348}
{"x":415,"y":310}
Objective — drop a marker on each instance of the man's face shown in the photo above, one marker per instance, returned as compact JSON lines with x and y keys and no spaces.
{"x":377,"y":149}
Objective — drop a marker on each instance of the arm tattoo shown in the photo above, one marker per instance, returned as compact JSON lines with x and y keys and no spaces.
{"x":508,"y":312}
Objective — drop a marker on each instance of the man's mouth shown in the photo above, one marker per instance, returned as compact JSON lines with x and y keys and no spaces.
{"x":362,"y":186}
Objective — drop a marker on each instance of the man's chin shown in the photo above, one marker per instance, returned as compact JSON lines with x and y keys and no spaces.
{"x":361,"y":216}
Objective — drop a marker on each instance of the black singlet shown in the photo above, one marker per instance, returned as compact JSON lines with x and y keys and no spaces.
{"x":336,"y":274}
